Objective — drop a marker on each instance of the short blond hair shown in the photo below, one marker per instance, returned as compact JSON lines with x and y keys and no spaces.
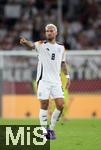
{"x":51,"y":25}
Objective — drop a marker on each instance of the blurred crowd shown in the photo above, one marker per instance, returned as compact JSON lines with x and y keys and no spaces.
{"x":80,"y":28}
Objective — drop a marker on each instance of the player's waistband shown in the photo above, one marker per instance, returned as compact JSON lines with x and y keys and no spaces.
{"x":50,"y":82}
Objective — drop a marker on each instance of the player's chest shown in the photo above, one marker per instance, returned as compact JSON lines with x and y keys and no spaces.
{"x":52,"y":52}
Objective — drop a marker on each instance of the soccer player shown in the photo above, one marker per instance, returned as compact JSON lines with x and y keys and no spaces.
{"x":51,"y":56}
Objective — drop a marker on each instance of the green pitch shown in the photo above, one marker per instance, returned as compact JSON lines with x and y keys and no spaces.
{"x":73,"y":135}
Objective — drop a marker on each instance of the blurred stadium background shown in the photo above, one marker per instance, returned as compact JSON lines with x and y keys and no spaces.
{"x":79,"y":23}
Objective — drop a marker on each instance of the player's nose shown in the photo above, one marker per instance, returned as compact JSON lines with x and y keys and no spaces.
{"x":49,"y":34}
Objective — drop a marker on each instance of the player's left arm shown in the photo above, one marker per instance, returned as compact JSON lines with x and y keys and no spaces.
{"x":64,"y":68}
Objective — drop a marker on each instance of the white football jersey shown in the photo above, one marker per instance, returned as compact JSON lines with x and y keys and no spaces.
{"x":50,"y":57}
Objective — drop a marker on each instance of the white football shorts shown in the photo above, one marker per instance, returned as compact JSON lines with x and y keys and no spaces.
{"x":48,"y":90}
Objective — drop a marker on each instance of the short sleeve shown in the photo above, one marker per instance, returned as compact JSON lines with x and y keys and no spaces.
{"x":38,"y":46}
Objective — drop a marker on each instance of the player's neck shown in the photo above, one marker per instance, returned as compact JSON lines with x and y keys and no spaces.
{"x":52,"y":41}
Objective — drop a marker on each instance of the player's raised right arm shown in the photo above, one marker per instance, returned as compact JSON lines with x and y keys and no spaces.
{"x":27,"y":43}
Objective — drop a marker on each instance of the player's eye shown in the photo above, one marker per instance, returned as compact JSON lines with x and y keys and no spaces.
{"x":49,"y":30}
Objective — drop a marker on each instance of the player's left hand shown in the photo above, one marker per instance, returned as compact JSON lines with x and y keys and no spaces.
{"x":68,"y":84}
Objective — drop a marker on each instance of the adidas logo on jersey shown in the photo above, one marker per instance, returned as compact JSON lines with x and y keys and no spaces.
{"x":47,"y":49}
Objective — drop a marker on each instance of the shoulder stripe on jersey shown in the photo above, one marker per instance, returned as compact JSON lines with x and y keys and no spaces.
{"x":60,"y":43}
{"x":45,"y":41}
